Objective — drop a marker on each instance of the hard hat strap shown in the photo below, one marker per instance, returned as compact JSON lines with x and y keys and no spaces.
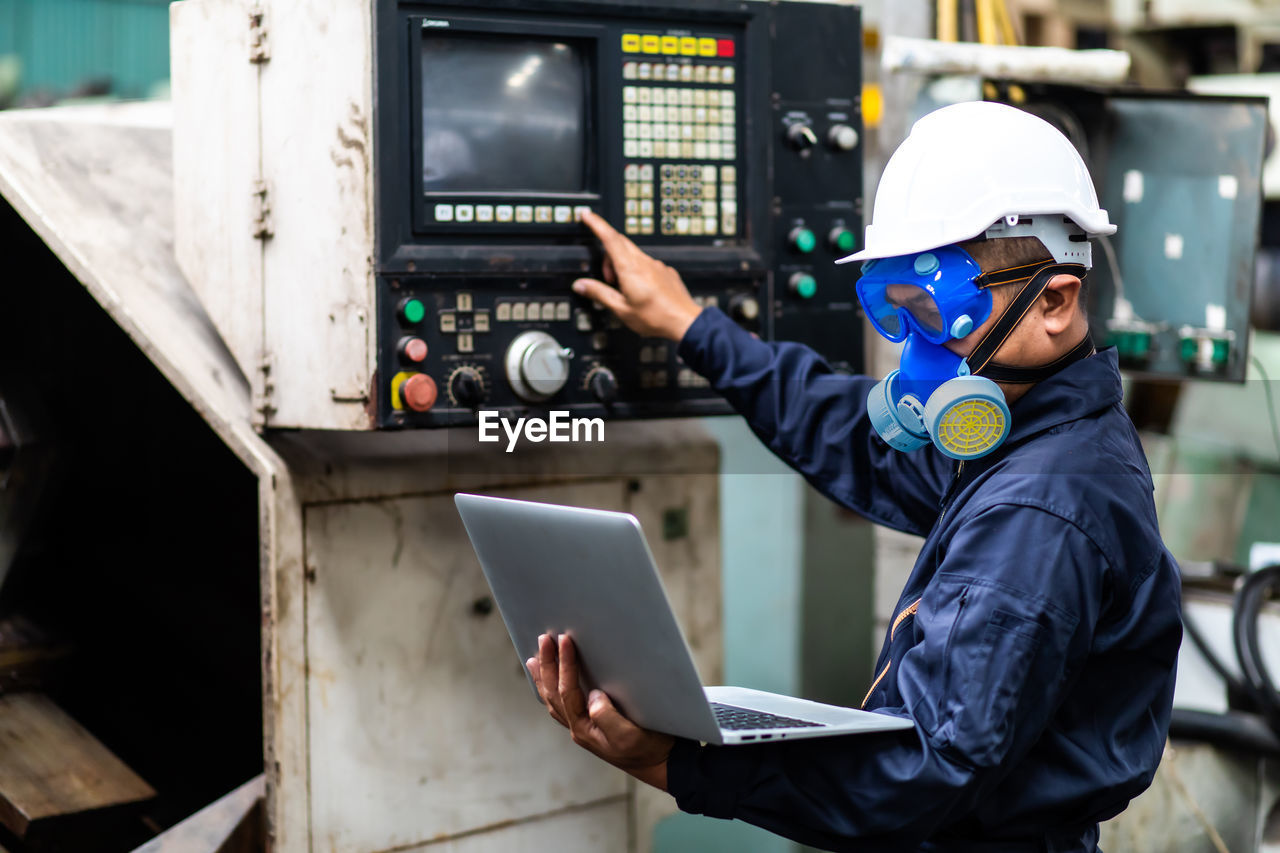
{"x":1011,"y":275}
{"x":979,"y":361}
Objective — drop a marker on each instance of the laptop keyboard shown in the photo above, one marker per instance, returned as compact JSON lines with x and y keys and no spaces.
{"x":737,"y":719}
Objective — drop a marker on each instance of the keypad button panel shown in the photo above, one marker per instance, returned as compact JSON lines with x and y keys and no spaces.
{"x":681,"y":128}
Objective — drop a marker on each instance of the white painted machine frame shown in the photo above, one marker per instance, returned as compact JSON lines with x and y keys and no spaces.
{"x":273,"y":176}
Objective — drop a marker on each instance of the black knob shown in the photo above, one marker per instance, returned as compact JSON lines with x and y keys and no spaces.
{"x":603,"y":385}
{"x":466,"y":387}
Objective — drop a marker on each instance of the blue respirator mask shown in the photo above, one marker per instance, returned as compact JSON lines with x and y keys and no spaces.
{"x":935,"y":395}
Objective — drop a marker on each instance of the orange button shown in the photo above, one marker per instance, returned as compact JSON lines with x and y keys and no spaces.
{"x":419,"y":392}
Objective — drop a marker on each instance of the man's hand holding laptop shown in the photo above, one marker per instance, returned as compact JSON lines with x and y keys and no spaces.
{"x":594,"y":722}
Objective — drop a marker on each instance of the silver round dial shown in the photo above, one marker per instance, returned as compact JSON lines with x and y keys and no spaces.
{"x":537,"y":366}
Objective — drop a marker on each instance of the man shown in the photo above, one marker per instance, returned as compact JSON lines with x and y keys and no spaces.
{"x":1035,"y":641}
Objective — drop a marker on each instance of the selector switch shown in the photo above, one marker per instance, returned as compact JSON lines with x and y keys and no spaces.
{"x":537,"y":366}
{"x":466,"y":387}
{"x":801,"y":137}
{"x":603,"y":385}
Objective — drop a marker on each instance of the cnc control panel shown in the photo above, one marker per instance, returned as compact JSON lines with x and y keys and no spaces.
{"x":723,"y":137}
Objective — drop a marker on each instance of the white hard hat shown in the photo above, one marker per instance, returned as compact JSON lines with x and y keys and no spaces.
{"x":982,"y":168}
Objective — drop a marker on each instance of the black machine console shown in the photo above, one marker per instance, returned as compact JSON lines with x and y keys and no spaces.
{"x":722,"y":137}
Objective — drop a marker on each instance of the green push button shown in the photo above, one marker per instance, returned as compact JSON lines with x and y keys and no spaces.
{"x":842,"y":239}
{"x":802,"y":240}
{"x":412,"y":311}
{"x":803,"y":285}
{"x":1187,"y":348}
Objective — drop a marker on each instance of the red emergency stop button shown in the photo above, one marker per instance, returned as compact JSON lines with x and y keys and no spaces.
{"x":724,"y":47}
{"x":419,"y":392}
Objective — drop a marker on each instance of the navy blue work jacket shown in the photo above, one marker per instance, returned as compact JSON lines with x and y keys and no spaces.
{"x":1034,"y":644}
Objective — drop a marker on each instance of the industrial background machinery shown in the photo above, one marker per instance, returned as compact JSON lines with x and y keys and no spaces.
{"x":280,"y":303}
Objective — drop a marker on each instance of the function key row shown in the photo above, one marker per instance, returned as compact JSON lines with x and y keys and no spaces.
{"x":542,"y":214}
{"x":689,"y":149}
{"x":673,"y":73}
{"x":661,"y":132}
{"x":689,"y":226}
{"x":672,"y":114}
{"x":686,"y":378}
{"x":677,"y":97}
{"x":700,"y":223}
{"x":654,"y":353}
{"x":695,"y":172}
{"x":678,"y":45}
{"x":521,"y":312}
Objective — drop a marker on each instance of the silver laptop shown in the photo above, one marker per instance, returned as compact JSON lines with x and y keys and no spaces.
{"x":556,"y":569}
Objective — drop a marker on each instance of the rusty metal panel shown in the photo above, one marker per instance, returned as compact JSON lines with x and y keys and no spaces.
{"x":1199,"y":791}
{"x":421,"y":722}
{"x":587,"y":830}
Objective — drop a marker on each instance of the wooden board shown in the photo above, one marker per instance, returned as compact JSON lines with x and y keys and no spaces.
{"x":50,"y":766}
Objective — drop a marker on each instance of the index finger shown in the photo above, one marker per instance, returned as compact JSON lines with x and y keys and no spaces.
{"x":614,"y":242}
{"x":574,"y":703}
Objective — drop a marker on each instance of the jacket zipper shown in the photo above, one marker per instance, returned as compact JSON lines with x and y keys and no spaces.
{"x":897,"y":620}
{"x":951,"y":490}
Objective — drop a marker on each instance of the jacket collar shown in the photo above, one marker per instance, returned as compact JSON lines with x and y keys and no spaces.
{"x":1077,"y":391}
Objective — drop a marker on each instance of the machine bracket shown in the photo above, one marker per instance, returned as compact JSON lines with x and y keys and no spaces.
{"x":262,"y":393}
{"x":261,"y":211}
{"x":258,"y":49}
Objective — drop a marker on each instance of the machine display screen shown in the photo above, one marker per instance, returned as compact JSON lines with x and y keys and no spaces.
{"x":503,"y":114}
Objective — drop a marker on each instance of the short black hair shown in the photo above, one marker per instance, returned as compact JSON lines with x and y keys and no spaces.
{"x":1004,"y":252}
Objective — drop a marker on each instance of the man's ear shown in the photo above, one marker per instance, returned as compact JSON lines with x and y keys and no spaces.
{"x":1060,"y":302}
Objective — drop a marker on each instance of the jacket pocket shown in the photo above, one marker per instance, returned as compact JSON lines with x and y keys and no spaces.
{"x":996,"y":681}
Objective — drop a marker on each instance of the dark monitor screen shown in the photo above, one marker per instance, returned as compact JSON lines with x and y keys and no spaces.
{"x":503,"y":114}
